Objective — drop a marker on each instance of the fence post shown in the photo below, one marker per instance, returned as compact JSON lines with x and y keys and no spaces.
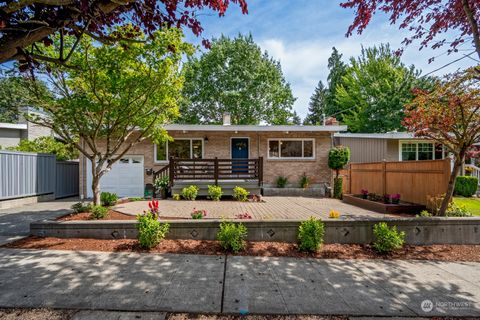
{"x":384,"y":176}
{"x":215,"y":170}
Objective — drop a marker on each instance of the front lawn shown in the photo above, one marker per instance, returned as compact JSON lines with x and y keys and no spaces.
{"x":472,"y":204}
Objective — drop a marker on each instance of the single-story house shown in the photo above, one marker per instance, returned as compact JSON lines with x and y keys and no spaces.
{"x":393,"y":146}
{"x":253,"y":156}
{"x":12,"y":133}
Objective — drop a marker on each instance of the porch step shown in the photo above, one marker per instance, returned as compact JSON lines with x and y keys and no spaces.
{"x":227,"y":186}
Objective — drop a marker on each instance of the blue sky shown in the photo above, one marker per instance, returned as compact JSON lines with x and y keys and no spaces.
{"x":301,"y":34}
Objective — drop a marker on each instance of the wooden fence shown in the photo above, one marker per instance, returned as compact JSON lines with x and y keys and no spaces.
{"x":413,"y":180}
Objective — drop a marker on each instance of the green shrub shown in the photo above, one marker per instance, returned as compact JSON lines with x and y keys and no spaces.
{"x":337,"y":187}
{"x":190,"y":192}
{"x":81,"y":207}
{"x":281,"y":182}
{"x":240,"y":194}
{"x":98,"y":212}
{"x":457,"y":210}
{"x":466,"y":186}
{"x":176,"y":196}
{"x":232,"y":236}
{"x":150,"y":230}
{"x":310,"y":235}
{"x":387,"y":239}
{"x":133,"y":199}
{"x":424,"y":213}
{"x":215,"y":192}
{"x":304,"y":181}
{"x":108,"y":199}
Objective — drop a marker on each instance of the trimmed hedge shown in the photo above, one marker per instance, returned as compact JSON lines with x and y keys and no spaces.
{"x":466,"y":186}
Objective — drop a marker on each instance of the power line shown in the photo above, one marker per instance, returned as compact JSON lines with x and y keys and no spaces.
{"x":450,"y":63}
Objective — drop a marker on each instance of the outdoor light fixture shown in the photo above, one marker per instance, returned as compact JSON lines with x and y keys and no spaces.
{"x":205,"y":139}
{"x":149,"y":171}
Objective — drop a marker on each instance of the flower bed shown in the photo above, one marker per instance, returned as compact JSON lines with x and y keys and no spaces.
{"x":262,"y":248}
{"x":380,"y":206}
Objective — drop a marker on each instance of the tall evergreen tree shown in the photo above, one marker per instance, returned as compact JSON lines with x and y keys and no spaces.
{"x":317,"y":105}
{"x":337,"y":69}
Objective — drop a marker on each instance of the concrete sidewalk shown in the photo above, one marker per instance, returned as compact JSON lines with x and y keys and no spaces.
{"x":212,"y":284}
{"x":15,"y":222}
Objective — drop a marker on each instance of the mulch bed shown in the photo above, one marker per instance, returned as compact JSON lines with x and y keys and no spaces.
{"x":111,"y":215}
{"x":264,"y":249}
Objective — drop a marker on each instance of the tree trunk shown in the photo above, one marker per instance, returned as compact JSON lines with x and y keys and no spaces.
{"x":96,"y":190}
{"x":451,"y":185}
{"x":96,"y":175}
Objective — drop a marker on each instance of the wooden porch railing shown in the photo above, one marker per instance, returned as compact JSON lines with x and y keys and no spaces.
{"x":212,"y":169}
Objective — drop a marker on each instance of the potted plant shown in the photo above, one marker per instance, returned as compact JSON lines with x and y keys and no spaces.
{"x":386,"y":198}
{"x":395,"y":198}
{"x":161,"y":184}
{"x":364,"y":193}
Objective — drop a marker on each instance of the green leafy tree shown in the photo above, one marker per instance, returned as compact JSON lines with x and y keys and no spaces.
{"x":236,"y":77}
{"x":14,"y":96}
{"x":48,"y":145}
{"x":374,"y":90}
{"x":317,"y":105}
{"x":113,"y":97}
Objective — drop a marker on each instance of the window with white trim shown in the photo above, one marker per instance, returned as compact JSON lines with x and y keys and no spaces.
{"x":416,"y":150}
{"x":291,"y":148}
{"x":179,"y":148}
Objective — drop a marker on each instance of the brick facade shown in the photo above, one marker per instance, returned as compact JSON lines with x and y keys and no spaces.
{"x":218,"y":145}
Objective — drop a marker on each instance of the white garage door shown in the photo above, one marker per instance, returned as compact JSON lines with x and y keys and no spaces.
{"x":125,"y":178}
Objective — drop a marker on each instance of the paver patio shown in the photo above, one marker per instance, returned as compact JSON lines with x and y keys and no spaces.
{"x":294,"y":208}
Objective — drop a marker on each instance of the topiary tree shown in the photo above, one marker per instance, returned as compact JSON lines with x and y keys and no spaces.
{"x":338,"y":157}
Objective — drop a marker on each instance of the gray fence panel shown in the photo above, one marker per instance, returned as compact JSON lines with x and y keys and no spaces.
{"x":67,"y":179}
{"x":26,"y":174}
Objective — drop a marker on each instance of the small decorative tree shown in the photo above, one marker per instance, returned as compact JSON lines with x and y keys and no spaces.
{"x":449,"y":115}
{"x":338,"y":157}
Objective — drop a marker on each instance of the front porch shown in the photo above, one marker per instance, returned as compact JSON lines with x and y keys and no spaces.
{"x":227,"y":173}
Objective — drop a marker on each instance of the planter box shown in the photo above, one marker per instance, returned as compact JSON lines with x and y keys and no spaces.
{"x":402,"y":207}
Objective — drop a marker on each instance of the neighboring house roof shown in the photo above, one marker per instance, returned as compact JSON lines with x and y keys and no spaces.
{"x":254,"y":128}
{"x":388,"y":135}
{"x":18,"y":126}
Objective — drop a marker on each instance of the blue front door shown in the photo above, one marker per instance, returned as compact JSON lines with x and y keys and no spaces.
{"x":239,"y":151}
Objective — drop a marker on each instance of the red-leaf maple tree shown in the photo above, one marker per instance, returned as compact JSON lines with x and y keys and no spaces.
{"x":428,"y":20}
{"x":450,"y":115}
{"x":23,"y":23}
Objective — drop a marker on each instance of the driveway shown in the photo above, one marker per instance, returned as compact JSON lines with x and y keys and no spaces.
{"x":237,"y":284}
{"x":15,"y":222}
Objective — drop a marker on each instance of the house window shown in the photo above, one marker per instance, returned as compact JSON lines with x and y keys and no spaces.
{"x":291,"y":148}
{"x":179,"y":148}
{"x":411,"y":151}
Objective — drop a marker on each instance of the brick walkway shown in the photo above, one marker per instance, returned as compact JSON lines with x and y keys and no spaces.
{"x":295,"y":208}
